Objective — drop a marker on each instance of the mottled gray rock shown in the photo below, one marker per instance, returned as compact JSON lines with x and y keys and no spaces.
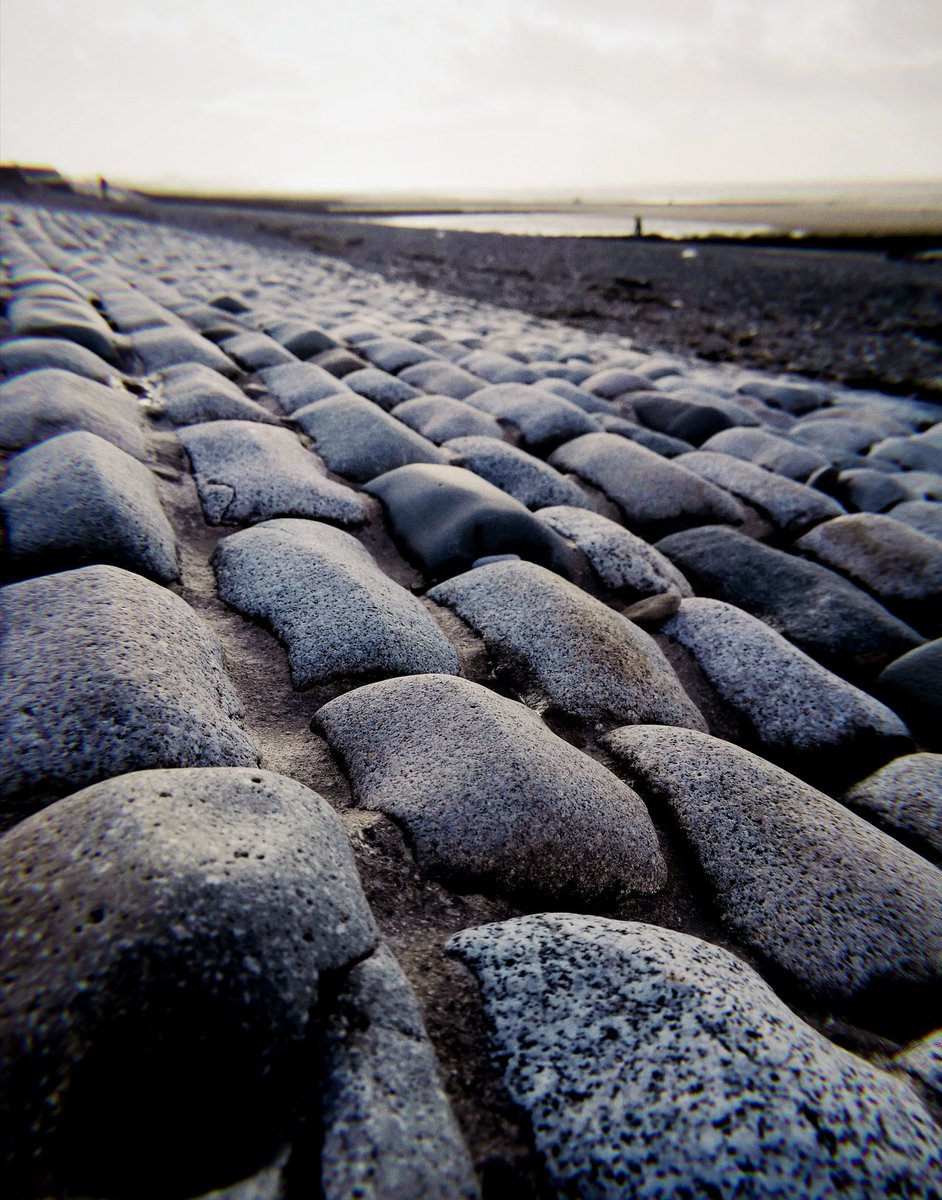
{"x":793,"y":706}
{"x":295,"y":385}
{"x":654,"y":495}
{"x":768,"y":450}
{"x":919,"y":485}
{"x":691,"y":422}
{"x":497,"y":368}
{"x":837,"y":436}
{"x":821,"y":612}
{"x":905,"y":796}
{"x":490,"y":797}
{"x":43,"y":403}
{"x":106,"y":672}
{"x":326,"y":599}
{"x":166,"y":346}
{"x":393,"y":353}
{"x":32,"y":354}
{"x":191,"y":393}
{"x":622,"y":561}
{"x":921,"y":452}
{"x":521,"y":475}
{"x":382,"y":388}
{"x":660,"y":443}
{"x":924,"y":1060}
{"x":357,"y":439}
{"x":256,"y":351}
{"x":655,"y":1065}
{"x":819,"y":892}
{"x":615,"y":381}
{"x":446,"y":518}
{"x":587,"y":401}
{"x":912,"y":686}
{"x":250,"y":472}
{"x":229,"y":303}
{"x":792,"y":397}
{"x":566,"y":651}
{"x":544,"y":420}
{"x":70,"y":320}
{"x":861,"y":490}
{"x":790,"y":506}
{"x":442,"y":378}
{"x":166,"y":938}
{"x":76,"y":499}
{"x":303,"y":339}
{"x":388,"y":1128}
{"x":925,"y":516}
{"x":440,"y":418}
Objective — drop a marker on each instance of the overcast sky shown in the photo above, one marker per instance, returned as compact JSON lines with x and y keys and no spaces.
{"x":472,"y":95}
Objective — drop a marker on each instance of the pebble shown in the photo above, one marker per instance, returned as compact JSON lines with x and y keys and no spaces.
{"x":76,"y":499}
{"x":905,"y":796}
{"x":566,"y":651}
{"x":440,"y":418}
{"x":250,"y":472}
{"x":523,"y":476}
{"x":328,"y":602}
{"x":191,"y":393}
{"x":820,"y":893}
{"x":490,"y":797}
{"x":654,"y":1065}
{"x":106,"y":672}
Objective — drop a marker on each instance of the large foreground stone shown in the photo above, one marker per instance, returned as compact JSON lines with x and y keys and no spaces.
{"x":490,"y":797}
{"x":250,"y":472}
{"x":566,"y":651}
{"x":326,"y":599}
{"x":105,"y":672}
{"x":657,"y":1066}
{"x":821,"y":893}
{"x":905,"y":796}
{"x":77,"y":499}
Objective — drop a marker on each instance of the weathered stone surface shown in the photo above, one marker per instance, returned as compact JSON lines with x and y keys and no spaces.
{"x":440,"y":418}
{"x":77,"y":499}
{"x":382,"y":388}
{"x":544,"y":420}
{"x":295,"y":385}
{"x":921,"y":452}
{"x":303,"y":339}
{"x":792,"y":397}
{"x":768,"y":450}
{"x":191,"y":393}
{"x":445,"y":518}
{"x":654,"y":495}
{"x":521,"y":475}
{"x":793,"y":705}
{"x":388,"y":1128}
{"x":824,"y":895}
{"x":255,"y":351}
{"x":655,"y":1065}
{"x":912,"y":686}
{"x":166,"y":937}
{"x":837,"y":436}
{"x":393,"y":353}
{"x":72,"y":320}
{"x":326,"y":599}
{"x":357,"y":439}
{"x":566,"y":651}
{"x":442,"y":378}
{"x":660,"y":443}
{"x":491,"y":798}
{"x":788,"y":505}
{"x":622,"y":561}
{"x":166,"y":346}
{"x":107,"y":672}
{"x":497,"y":368}
{"x":577,"y":395}
{"x":861,"y":490}
{"x":905,"y":796}
{"x":339,"y":362}
{"x":813,"y":607}
{"x":692,"y":423}
{"x":33,"y":354}
{"x":41,"y":404}
{"x":923,"y":1059}
{"x":615,"y":381}
{"x":925,"y":516}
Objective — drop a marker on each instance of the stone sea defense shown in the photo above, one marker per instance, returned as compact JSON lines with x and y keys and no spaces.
{"x":34,"y":353}
{"x":251,"y":472}
{"x":921,"y":452}
{"x":565,"y":651}
{"x":659,"y":443}
{"x":497,"y":368}
{"x":445,"y":518}
{"x":295,"y":385}
{"x":339,"y":362}
{"x":439,"y":377}
{"x":768,"y":450}
{"x":76,"y":499}
{"x":191,"y":963}
{"x":837,"y":436}
{"x":841,"y":907}
{"x":544,"y":420}
{"x":792,"y":397}
{"x":325,"y":598}
{"x":302,"y":338}
{"x":925,"y":516}
{"x":254,"y":351}
{"x":575,"y":394}
{"x":393,"y":354}
{"x":904,"y":797}
{"x":383,"y":389}
{"x":612,"y":382}
{"x":655,"y":496}
{"x":106,"y":672}
{"x":166,"y":346}
{"x":42,"y":403}
{"x":491,"y":799}
{"x":191,"y":394}
{"x":912,"y":686}
{"x":822,"y":613}
{"x":655,"y":1065}
{"x":533,"y":482}
{"x":68,"y":318}
{"x":692,"y":423}
{"x":440,"y":418}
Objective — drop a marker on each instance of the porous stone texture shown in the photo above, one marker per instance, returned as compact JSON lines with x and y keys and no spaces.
{"x":655,"y":1065}
{"x":442,"y":378}
{"x":837,"y":436}
{"x":912,"y":686}
{"x":490,"y":797}
{"x":905,"y":796}
{"x":824,"y":614}
{"x":655,"y":496}
{"x":793,"y":397}
{"x":622,"y":561}
{"x":790,"y":506}
{"x":250,"y":472}
{"x":615,"y":381}
{"x":106,"y":672}
{"x":68,"y":319}
{"x":446,"y":518}
{"x":577,"y":395}
{"x":393,"y":354}
{"x":360,"y":441}
{"x":191,"y":393}
{"x":41,"y":404}
{"x":921,"y":452}
{"x":768,"y":450}
{"x":822,"y":894}
{"x":76,"y":499}
{"x":33,"y":354}
{"x":382,"y":388}
{"x":863,"y":490}
{"x":544,"y":420}
{"x":166,"y":934}
{"x":566,"y":651}
{"x":925,"y":516}
{"x":295,"y":385}
{"x":923,"y":1059}
{"x":302,"y":338}
{"x":440,"y":417}
{"x":677,"y":418}
{"x":532,"y":482}
{"x":168,"y":345}
{"x":326,"y":599}
{"x":792,"y":704}
{"x":255,"y":351}
{"x":497,"y":368}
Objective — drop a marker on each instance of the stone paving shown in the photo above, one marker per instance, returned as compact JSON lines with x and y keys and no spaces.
{"x":351,"y":631}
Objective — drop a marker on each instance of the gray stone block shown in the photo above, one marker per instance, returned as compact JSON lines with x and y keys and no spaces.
{"x":533,"y":482}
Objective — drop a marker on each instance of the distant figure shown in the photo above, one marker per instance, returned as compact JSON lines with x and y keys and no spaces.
{"x":638,"y":230}
{"x":103,"y":187}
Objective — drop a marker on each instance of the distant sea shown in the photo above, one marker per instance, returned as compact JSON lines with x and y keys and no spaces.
{"x":575,"y":224}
